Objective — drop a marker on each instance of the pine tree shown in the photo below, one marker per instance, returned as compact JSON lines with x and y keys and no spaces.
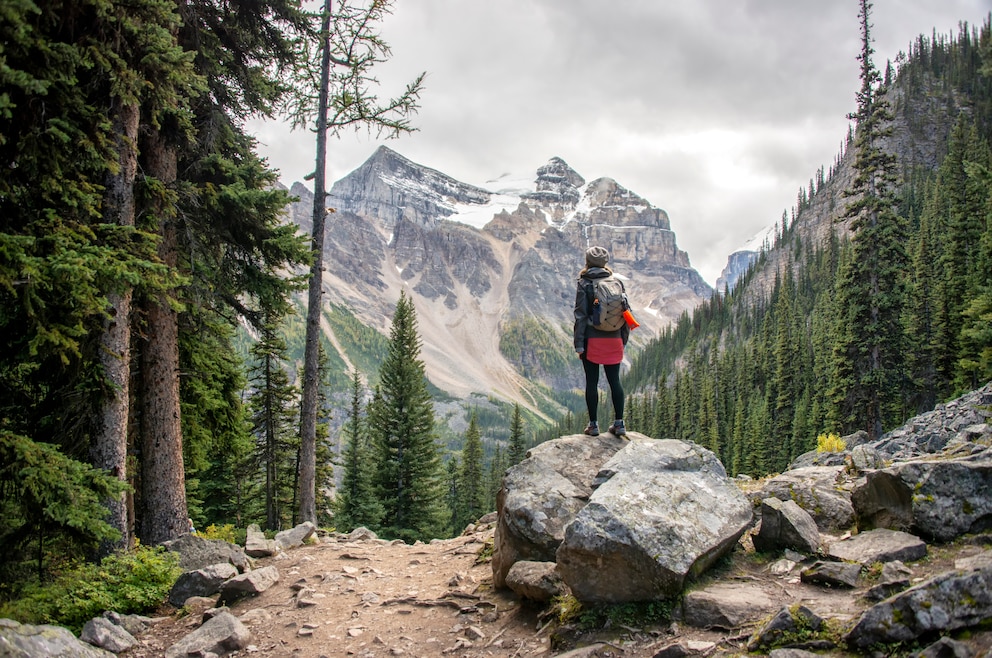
{"x":409,"y":475}
{"x":869,"y":355}
{"x":498,"y":464}
{"x":518,"y":447}
{"x":273,"y":407}
{"x":356,"y":504}
{"x":472,"y":490}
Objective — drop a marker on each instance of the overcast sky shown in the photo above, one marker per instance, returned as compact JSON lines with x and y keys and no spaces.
{"x":717,"y":111}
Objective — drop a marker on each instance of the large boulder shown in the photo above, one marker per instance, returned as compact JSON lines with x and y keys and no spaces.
{"x":784,"y":524}
{"x":219,"y":635}
{"x":201,"y":582}
{"x":820,"y":490}
{"x":542,"y":494}
{"x":939,"y":499}
{"x":950,"y":601}
{"x":666,"y":512}
{"x":195,"y":552}
{"x":27,"y":641}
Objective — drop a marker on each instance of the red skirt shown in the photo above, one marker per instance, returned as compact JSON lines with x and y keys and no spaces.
{"x":604,"y":351}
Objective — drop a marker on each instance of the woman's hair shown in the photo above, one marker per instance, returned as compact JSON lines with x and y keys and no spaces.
{"x":586,"y":269}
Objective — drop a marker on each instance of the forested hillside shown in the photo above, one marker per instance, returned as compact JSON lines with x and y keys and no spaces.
{"x":875,"y":301}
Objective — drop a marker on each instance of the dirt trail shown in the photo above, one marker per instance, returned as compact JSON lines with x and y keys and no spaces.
{"x":372,"y":598}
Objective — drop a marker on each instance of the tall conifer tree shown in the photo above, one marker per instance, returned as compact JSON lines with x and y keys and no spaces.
{"x":518,"y":446}
{"x":356,"y":503}
{"x":409,"y":474}
{"x":869,"y":371}
{"x":472,"y":494}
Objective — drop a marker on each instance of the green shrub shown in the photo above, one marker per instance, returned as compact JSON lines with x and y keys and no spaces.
{"x":128,"y":583}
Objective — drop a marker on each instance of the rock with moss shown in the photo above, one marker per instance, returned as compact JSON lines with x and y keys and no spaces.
{"x":940,"y":499}
{"x":940,"y":605}
{"x":823,"y":491}
{"x":790,"y":625}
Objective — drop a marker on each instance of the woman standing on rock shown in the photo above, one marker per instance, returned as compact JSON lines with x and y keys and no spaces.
{"x":596,"y":341}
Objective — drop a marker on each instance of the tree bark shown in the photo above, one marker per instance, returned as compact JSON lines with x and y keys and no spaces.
{"x":109,"y":449}
{"x":311,"y":357}
{"x":163,"y":482}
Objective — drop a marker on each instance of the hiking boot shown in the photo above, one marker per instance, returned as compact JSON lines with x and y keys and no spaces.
{"x":592,"y":429}
{"x":617,"y":428}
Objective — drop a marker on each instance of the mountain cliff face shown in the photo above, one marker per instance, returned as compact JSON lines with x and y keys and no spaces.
{"x":492,"y":270}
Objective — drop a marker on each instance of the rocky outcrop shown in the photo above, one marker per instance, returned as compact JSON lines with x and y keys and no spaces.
{"x":665,"y":513}
{"x":542,"y":494}
{"x":623,"y":520}
{"x":196,"y":552}
{"x":27,"y":641}
{"x":823,"y":491}
{"x":938,"y":498}
{"x":948,"y":602}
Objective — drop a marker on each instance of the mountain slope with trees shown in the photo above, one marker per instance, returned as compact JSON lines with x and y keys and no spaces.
{"x":873,"y":302}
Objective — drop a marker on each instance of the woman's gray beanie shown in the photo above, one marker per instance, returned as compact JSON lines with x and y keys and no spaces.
{"x":597,"y":257}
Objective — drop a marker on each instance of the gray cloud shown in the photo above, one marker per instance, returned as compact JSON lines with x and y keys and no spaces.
{"x":717,"y":111}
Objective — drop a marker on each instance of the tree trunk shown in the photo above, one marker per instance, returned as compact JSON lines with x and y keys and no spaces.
{"x":109,"y":449}
{"x":163,"y":482}
{"x":311,"y":357}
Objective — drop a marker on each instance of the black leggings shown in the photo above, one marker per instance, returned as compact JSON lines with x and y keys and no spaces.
{"x":592,"y":388}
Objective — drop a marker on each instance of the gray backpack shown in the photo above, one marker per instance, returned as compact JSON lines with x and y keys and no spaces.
{"x":608,"y":301}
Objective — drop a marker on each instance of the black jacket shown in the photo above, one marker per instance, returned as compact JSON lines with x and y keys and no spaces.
{"x":583,"y":329}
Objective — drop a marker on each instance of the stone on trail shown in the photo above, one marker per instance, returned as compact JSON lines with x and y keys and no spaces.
{"x":832,"y":574}
{"x":537,"y":581}
{"x":727,"y":605}
{"x":879,"y":545}
{"x":817,"y":489}
{"x":666,"y":512}
{"x":220,"y":635}
{"x":784,"y":524}
{"x":256,"y":544}
{"x":201,"y":582}
{"x":103,"y":633}
{"x":295,"y":537}
{"x":248,"y":584}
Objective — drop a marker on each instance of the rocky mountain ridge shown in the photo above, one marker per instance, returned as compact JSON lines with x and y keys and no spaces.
{"x":492,"y":271}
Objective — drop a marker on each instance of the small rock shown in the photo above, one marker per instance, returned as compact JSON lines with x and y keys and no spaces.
{"x":474,"y":633}
{"x":832,"y":574}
